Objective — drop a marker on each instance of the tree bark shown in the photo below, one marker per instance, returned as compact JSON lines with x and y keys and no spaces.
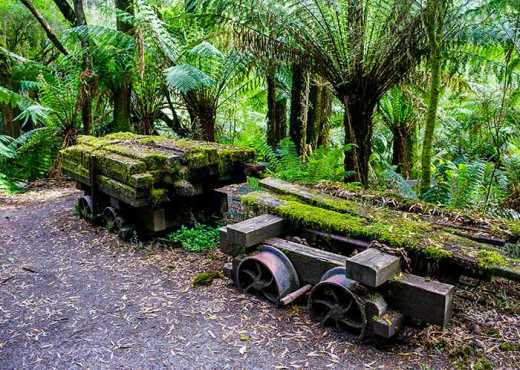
{"x":402,"y":155}
{"x":326,"y":106}
{"x":276,"y":113}
{"x":11,"y":127}
{"x":318,"y":115}
{"x":121,"y":100}
{"x":123,"y":92}
{"x":207,"y":117}
{"x":299,"y":98}
{"x":46,"y":27}
{"x":358,"y":126}
{"x":434,"y":22}
{"x":431,"y":116}
{"x":66,"y":10}
{"x":86,"y":88}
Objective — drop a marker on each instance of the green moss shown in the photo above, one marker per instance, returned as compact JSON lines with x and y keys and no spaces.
{"x":118,"y":189}
{"x":487,"y":258}
{"x":436,"y":252}
{"x":158,"y":196}
{"x":123,"y":136}
{"x":141,"y":180}
{"x":385,"y":226}
{"x":118,"y":167}
{"x":206,"y":278}
{"x":400,"y":233}
{"x":509,"y":346}
{"x":514,"y":228}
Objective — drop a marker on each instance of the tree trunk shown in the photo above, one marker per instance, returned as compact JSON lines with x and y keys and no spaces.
{"x":11,"y":127}
{"x":123,"y":92}
{"x":326,"y":106}
{"x":207,"y":117}
{"x":358,"y":132}
{"x":86,"y":88}
{"x":318,"y":115}
{"x":272,"y":129}
{"x":281,"y":118}
{"x":402,"y":156}
{"x":66,"y":10}
{"x":299,"y":106}
{"x":431,"y":116}
{"x":121,"y":119}
{"x":276,"y":114}
{"x":313,"y":116}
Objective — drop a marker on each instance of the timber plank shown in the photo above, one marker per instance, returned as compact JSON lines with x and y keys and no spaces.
{"x":253,"y":231}
{"x":421,"y":298}
{"x":310,"y":263}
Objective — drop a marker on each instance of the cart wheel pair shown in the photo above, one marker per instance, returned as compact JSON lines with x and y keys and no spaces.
{"x":115,"y":223}
{"x":111,"y":219}
{"x":332,"y":302}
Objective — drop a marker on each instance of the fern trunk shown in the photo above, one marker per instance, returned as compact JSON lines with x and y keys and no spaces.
{"x":207,"y":117}
{"x":318,"y":115}
{"x":276,"y":113}
{"x":298,"y":119}
{"x":358,"y":127}
{"x":122,"y":107}
{"x":123,"y":93}
{"x":431,"y":117}
{"x":402,"y":155}
{"x":11,"y":126}
{"x":86,"y":86}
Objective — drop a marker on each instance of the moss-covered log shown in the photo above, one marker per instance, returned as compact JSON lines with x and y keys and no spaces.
{"x":390,"y":227}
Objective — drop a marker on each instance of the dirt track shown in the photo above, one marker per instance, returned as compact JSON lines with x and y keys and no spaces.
{"x":73,"y":296}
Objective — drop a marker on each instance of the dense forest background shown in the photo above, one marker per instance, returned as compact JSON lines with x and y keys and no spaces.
{"x":416,"y":96}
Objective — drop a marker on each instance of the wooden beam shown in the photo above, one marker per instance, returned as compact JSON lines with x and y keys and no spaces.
{"x":310,"y":263}
{"x":253,"y":231}
{"x":421,"y":298}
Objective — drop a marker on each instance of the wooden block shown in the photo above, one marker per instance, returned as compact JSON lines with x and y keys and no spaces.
{"x":386,"y":325}
{"x":154,"y":219}
{"x":225,"y":246}
{"x":310,"y":263}
{"x":372,"y":267}
{"x":421,"y":298}
{"x":254,"y":230}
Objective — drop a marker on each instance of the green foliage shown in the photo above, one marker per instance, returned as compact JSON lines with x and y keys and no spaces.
{"x":199,"y":238}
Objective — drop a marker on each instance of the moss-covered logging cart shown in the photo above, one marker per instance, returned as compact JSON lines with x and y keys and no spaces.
{"x":365,"y":261}
{"x":152,"y":183}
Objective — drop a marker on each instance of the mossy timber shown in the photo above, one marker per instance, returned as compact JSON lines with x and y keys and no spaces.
{"x":311,"y":209}
{"x":147,"y":170}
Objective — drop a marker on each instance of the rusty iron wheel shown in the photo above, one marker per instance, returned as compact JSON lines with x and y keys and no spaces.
{"x":111,"y":219}
{"x":268,"y":273}
{"x":126,"y":232}
{"x":333,"y":302}
{"x":85,"y":208}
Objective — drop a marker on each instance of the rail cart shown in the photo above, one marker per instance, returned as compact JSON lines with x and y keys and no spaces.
{"x":151,"y":183}
{"x":353,"y":263}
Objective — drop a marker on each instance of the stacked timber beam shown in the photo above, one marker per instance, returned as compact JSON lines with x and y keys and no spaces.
{"x":353,"y":223}
{"x":150,"y":170}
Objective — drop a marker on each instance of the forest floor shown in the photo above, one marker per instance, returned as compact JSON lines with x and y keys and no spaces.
{"x":74,"y":296}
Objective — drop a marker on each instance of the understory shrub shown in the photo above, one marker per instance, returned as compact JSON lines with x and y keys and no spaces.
{"x":199,"y":238}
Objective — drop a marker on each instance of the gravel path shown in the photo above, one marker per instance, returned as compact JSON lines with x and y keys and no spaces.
{"x":74,"y":296}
